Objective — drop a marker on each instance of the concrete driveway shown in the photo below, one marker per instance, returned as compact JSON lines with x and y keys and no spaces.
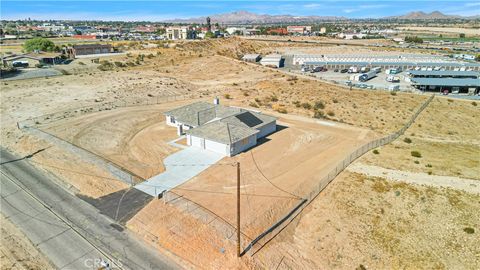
{"x":179,"y":168}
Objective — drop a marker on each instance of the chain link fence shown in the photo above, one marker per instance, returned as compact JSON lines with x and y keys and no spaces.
{"x":278,"y":226}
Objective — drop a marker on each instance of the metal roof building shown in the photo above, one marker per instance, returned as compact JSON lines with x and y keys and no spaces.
{"x":274,"y":60}
{"x":470,"y":86}
{"x":443,"y":73}
{"x":401,"y":64}
{"x":447,"y":82}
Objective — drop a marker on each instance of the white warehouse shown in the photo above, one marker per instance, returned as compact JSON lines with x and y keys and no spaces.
{"x":221,"y":129}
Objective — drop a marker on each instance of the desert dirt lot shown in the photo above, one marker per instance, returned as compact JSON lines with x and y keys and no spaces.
{"x":338,"y":230}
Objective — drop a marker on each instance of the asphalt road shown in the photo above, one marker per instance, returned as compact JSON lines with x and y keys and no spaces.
{"x":69,"y":231}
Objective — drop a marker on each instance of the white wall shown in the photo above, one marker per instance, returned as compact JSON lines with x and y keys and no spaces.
{"x":240,"y":146}
{"x":267,"y":129}
{"x":197,"y":142}
{"x":217,"y":147}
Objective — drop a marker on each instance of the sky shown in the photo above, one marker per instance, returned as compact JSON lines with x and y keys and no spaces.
{"x":158,"y":10}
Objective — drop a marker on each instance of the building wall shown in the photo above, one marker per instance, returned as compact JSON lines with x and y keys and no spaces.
{"x":217,"y":147}
{"x":243,"y":145}
{"x":267,"y":129}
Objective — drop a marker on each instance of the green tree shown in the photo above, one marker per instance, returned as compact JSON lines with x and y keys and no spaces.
{"x":477,"y":57}
{"x":461,"y":35}
{"x":209,"y":34}
{"x":41,"y":44}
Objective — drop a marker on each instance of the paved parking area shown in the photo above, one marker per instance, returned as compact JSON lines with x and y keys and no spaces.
{"x":179,"y":168}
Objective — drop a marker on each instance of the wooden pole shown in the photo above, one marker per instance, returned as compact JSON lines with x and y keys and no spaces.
{"x":238,"y":209}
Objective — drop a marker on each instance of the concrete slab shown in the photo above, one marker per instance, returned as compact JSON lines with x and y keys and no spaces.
{"x":179,"y":168}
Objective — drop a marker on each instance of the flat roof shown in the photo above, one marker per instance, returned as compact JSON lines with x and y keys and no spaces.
{"x":444,"y":73}
{"x":446,"y":82}
{"x":430,"y":64}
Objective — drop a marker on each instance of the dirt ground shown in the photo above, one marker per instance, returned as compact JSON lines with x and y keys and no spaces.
{"x":138,"y":136}
{"x":370,"y":222}
{"x":445,"y":134}
{"x":16,"y":250}
{"x":302,"y":149}
{"x":358,"y":220}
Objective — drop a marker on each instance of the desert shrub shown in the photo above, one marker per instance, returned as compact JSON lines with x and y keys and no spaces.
{"x":407,"y":140}
{"x":119,"y":64}
{"x":416,"y":162}
{"x":274,"y":98}
{"x":246,"y":94}
{"x":253,"y":104}
{"x":282,"y":110}
{"x":474,"y":103}
{"x":331,"y":113}
{"x":318,"y":114}
{"x":306,"y":105}
{"x":227,"y":96}
{"x":469,"y":230}
{"x":429,"y":165}
{"x":376,"y":152}
{"x":335,"y":100}
{"x":416,"y":154}
{"x":393,"y":93}
{"x":257,"y":100}
{"x":429,"y":172}
{"x":105,"y":65}
{"x":81,"y":63}
{"x":319,"y":105}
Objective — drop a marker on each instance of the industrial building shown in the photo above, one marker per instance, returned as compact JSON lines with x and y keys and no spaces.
{"x":447,"y":85}
{"x":88,"y":49}
{"x":251,"y":58}
{"x":455,"y":74}
{"x":302,"y":30}
{"x":221,"y":129}
{"x":413,"y":62}
{"x":272,"y":60}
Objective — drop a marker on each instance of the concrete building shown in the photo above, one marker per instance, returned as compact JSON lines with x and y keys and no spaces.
{"x":88,"y":49}
{"x":272,"y":60}
{"x":180,"y":32}
{"x":302,"y":30}
{"x":251,"y":58}
{"x":221,"y":129}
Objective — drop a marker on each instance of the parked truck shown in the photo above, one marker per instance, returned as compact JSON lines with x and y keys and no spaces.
{"x":353,"y":70}
{"x":367,"y":76}
{"x":391,"y":78}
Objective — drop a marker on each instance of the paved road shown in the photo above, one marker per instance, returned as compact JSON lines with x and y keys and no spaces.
{"x":64,"y":227}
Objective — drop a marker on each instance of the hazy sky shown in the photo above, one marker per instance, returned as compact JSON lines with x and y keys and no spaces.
{"x":162,"y":10}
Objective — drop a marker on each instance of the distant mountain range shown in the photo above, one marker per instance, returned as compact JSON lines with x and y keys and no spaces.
{"x":245,"y":17}
{"x":419,"y":15}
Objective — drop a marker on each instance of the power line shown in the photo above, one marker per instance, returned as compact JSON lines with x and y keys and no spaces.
{"x":260,"y":171}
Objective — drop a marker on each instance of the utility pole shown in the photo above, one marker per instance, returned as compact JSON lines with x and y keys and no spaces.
{"x":238,"y":209}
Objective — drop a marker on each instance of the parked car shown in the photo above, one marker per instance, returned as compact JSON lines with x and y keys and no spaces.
{"x":344,"y":70}
{"x":335,"y":70}
{"x":317,"y":69}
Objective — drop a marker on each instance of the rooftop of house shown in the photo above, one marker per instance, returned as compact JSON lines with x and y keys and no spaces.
{"x":220,"y":123}
{"x":222,"y":132}
{"x":199,"y":113}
